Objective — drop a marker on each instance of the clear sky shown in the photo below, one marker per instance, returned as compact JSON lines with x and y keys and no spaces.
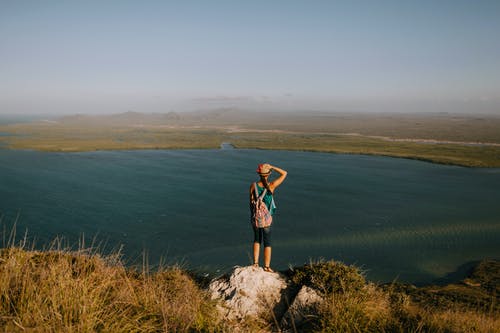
{"x":159,"y":56}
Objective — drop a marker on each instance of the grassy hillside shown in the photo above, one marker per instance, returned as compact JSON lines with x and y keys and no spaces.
{"x":63,"y":291}
{"x":355,"y":305}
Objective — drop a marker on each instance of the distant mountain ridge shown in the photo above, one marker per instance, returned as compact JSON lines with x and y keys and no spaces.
{"x":121,"y":119}
{"x":211,"y":118}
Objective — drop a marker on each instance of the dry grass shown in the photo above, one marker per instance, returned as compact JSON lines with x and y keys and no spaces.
{"x":349,"y":307}
{"x":59,"y":290}
{"x":460,"y":321}
{"x":65,"y":291}
{"x":373,"y":310}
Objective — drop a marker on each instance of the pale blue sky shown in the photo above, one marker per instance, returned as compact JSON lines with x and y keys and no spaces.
{"x":160,"y":56}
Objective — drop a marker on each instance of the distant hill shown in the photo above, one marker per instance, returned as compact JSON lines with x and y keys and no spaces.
{"x":129,"y":118}
{"x":433,"y":126}
{"x":195,"y":118}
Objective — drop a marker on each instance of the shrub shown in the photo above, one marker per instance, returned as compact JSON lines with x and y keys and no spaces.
{"x":329,"y":277}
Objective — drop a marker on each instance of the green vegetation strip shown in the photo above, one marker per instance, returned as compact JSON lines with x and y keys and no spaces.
{"x":72,"y":139}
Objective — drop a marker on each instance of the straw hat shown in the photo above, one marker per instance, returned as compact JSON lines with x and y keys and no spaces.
{"x":264,"y":169}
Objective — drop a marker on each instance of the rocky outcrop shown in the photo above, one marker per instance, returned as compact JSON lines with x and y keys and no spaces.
{"x":251,"y":292}
{"x":302,"y":308}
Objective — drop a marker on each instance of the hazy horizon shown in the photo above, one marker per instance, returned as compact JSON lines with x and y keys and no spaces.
{"x":34,"y":116}
{"x":111,"y":57}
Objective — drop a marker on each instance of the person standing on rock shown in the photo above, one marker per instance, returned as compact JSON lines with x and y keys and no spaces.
{"x":264,"y":190}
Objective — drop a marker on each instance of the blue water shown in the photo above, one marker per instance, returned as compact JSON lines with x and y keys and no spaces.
{"x":6,"y":119}
{"x":396,"y":218}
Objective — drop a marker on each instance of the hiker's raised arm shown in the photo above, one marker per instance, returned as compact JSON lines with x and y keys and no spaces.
{"x":277,"y":182}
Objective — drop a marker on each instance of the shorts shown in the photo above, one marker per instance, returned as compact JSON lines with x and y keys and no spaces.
{"x":262,"y":235}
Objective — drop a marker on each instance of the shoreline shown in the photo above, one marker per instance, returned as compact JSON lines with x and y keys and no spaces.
{"x":451,"y":140}
{"x":69,"y":150}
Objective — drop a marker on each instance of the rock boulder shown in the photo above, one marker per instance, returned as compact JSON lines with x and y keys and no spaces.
{"x":250,"y":292}
{"x":303,"y":307}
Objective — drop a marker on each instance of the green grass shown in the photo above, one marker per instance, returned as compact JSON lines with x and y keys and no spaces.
{"x":72,"y":139}
{"x":471,"y":156}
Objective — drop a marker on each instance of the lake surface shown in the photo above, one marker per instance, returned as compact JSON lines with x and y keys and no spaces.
{"x":6,"y":119}
{"x":396,"y":218}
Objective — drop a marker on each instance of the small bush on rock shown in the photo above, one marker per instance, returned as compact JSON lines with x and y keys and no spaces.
{"x":329,"y":277}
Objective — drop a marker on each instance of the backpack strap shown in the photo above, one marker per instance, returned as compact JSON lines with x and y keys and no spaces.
{"x":257,"y":197}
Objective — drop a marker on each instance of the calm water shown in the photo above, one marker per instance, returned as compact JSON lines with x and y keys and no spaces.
{"x":396,"y":218}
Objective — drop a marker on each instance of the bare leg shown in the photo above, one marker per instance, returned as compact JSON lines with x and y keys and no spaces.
{"x":256,"y":250}
{"x":267,"y":256}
